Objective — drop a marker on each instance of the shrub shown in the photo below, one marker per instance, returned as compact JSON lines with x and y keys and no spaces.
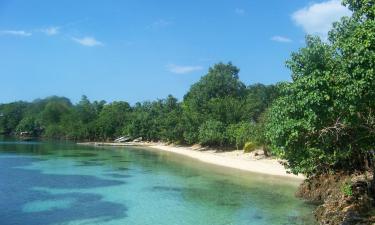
{"x":346,"y":189}
{"x":238,"y":134}
{"x":211,"y":133}
{"x":249,"y":147}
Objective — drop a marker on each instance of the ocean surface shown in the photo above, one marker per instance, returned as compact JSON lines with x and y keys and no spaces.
{"x":62,"y":183}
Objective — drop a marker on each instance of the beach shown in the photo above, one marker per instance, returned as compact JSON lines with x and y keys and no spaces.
{"x":235,"y":159}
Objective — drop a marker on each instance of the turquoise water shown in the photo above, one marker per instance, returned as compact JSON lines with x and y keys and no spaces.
{"x":61,"y":183}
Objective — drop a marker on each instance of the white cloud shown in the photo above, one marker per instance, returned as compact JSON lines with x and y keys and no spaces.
{"x":281,"y":39}
{"x":87,"y":41}
{"x":50,"y":31}
{"x":318,"y":18}
{"x":182,"y":69}
{"x":20,"y":33}
{"x":240,"y":12}
{"x":161,"y":23}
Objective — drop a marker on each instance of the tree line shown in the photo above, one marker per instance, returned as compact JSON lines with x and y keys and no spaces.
{"x":218,"y":110}
{"x":321,"y":121}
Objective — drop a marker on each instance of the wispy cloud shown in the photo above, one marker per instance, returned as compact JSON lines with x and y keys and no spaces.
{"x":281,"y":39}
{"x":87,"y":41}
{"x":158,"y":24}
{"x":240,"y":11}
{"x":318,"y":18}
{"x":20,"y":33}
{"x":178,"y":69}
{"x":50,"y":31}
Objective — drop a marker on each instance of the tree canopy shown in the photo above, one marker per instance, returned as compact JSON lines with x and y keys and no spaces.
{"x":218,"y":110}
{"x":324,"y":119}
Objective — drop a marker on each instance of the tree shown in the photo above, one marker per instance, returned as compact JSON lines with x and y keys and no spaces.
{"x":324,"y":119}
{"x":258,"y":98}
{"x":218,"y":100}
{"x":171,"y":126}
{"x":111,"y":120}
{"x":31,"y":125}
{"x":53,"y":112}
{"x":207,"y":99}
{"x":10,"y":115}
{"x":87,"y":111}
{"x":240,"y":133}
{"x":212,"y":132}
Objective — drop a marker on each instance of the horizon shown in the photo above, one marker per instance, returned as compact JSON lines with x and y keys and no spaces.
{"x":100,"y":49}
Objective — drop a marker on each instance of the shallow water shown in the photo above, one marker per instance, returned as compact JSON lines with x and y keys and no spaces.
{"x":61,"y":183}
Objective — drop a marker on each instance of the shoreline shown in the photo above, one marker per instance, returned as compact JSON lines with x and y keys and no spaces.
{"x":235,"y":159}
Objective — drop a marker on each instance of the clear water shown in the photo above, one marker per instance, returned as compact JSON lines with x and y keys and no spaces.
{"x":60,"y":183}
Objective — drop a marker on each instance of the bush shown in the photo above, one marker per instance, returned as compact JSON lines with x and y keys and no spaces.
{"x":211,"y":133}
{"x":238,"y":134}
{"x":346,"y":189}
{"x":249,"y":147}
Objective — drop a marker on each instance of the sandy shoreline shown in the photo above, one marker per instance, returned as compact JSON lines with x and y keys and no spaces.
{"x":233,"y":159}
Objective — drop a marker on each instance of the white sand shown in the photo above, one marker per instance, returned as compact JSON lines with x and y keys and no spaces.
{"x":233,"y":159}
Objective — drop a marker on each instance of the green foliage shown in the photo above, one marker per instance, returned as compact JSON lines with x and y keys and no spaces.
{"x":241,"y":133}
{"x":346,"y":189}
{"x":212,"y":132}
{"x":111,"y":120}
{"x":53,"y":112}
{"x":87,"y":111}
{"x":171,"y":125}
{"x":249,"y":147}
{"x":54,"y":131}
{"x":258,"y":99}
{"x":11,"y":115}
{"x":217,"y":110}
{"x":31,"y":125}
{"x":324,"y":119}
{"x":215,"y":96}
{"x":157,"y":120}
{"x":361,"y":8}
{"x":221,"y":81}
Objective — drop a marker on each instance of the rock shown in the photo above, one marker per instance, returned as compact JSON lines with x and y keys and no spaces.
{"x":335,"y":207}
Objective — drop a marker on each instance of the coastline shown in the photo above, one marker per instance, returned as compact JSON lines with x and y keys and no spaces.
{"x":235,"y":159}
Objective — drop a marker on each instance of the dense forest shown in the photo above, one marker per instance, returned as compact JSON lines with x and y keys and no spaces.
{"x":218,"y":110}
{"x":323,"y":120}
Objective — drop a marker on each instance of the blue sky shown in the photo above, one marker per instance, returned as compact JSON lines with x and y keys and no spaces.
{"x":136,"y":50}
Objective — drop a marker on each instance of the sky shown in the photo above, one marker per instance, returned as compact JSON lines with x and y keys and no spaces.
{"x":138,"y":50}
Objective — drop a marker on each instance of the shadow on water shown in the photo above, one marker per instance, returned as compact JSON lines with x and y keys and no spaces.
{"x":17,"y":189}
{"x":81,"y":154}
{"x":88,"y":163}
{"x":116,"y":175}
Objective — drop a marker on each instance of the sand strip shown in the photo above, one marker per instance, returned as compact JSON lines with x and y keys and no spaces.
{"x":233,"y":159}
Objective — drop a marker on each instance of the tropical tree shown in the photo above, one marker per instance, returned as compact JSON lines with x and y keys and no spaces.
{"x":111,"y":120}
{"x":207,"y":99}
{"x":324,"y":119}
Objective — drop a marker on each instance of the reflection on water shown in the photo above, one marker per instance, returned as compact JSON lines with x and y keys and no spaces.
{"x":62,"y":183}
